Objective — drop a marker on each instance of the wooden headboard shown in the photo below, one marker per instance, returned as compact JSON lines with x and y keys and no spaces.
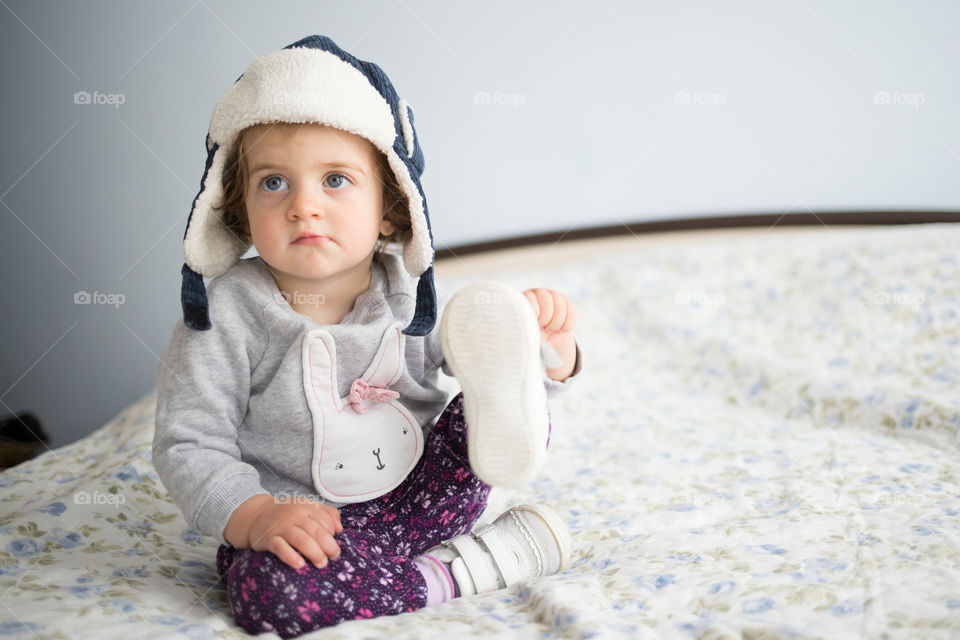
{"x":712,"y":222}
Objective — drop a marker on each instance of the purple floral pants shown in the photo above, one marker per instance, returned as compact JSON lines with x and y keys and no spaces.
{"x":375,"y":574}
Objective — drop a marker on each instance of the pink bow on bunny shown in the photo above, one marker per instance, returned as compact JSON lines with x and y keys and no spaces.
{"x":360,"y":390}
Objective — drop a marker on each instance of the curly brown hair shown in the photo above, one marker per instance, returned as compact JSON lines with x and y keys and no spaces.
{"x":236,"y":175}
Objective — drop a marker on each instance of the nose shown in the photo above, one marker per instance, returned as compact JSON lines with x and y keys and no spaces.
{"x":306,"y":202}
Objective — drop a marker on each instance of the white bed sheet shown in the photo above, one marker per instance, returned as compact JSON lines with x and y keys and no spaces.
{"x":763,"y":443}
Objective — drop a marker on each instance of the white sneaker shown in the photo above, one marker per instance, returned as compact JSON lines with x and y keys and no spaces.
{"x":525,"y":542}
{"x":491,"y":341}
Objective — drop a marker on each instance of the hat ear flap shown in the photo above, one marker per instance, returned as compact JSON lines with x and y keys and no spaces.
{"x":209,"y":247}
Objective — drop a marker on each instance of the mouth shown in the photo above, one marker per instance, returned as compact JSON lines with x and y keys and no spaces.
{"x":311,"y":238}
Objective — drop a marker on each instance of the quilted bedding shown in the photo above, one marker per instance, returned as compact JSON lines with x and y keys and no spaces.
{"x":763,"y":443}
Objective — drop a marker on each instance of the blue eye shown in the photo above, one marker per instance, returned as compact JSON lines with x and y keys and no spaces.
{"x":341,"y":183}
{"x":270,"y":184}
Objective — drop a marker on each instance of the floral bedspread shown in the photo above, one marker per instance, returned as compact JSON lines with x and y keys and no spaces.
{"x":763,"y":443}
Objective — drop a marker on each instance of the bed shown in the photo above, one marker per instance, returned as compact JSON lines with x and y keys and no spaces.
{"x":763,"y":443}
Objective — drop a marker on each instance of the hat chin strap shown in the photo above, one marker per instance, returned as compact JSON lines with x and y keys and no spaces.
{"x":425,"y":315}
{"x":193,"y":299}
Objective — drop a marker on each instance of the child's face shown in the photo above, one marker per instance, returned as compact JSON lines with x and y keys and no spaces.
{"x":313,"y":179}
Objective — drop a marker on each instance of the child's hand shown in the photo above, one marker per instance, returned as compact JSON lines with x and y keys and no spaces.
{"x":557,"y":317}
{"x":306,"y":526}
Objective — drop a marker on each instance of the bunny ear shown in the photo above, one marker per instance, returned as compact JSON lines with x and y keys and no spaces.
{"x":319,"y":355}
{"x":387,"y":365}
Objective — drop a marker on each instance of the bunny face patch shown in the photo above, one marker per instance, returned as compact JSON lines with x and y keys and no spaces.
{"x":364,"y":444}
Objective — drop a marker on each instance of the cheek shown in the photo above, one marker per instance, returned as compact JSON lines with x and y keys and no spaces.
{"x":258,"y":214}
{"x":261,"y":230}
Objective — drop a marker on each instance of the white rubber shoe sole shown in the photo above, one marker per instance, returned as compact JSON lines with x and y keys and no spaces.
{"x":491,"y":342}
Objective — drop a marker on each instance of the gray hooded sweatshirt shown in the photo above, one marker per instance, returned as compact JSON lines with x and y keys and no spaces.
{"x":234,"y":416}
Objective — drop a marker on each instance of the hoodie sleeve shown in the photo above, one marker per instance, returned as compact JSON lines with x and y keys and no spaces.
{"x":203,"y":385}
{"x":556,"y":387}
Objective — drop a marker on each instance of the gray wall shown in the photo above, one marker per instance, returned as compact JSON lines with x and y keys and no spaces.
{"x":533,"y":117}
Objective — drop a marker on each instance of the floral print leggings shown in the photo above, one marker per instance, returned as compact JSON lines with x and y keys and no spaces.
{"x":375,"y":574}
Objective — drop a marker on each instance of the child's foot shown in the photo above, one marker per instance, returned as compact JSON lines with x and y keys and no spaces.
{"x":527,"y":541}
{"x":491,"y":341}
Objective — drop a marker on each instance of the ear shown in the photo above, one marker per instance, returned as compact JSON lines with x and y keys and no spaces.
{"x":386,"y":227}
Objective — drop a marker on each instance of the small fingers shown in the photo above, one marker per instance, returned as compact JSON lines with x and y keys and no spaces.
{"x":531,"y":296}
{"x":311,"y":549}
{"x":333,"y":518}
{"x":542,"y":302}
{"x":565,"y":317}
{"x":570,"y":322}
{"x":553,"y":310}
{"x":278,"y":546}
{"x":556,"y":322}
{"x":327,"y":543}
{"x":546,"y":307}
{"x":328,"y":517}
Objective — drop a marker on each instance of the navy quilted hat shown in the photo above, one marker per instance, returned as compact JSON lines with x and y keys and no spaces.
{"x":312,"y":80}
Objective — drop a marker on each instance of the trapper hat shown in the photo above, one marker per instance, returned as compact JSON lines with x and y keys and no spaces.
{"x":312,"y":80}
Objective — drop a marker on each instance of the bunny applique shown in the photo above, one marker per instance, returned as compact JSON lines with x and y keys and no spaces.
{"x":366,"y":443}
